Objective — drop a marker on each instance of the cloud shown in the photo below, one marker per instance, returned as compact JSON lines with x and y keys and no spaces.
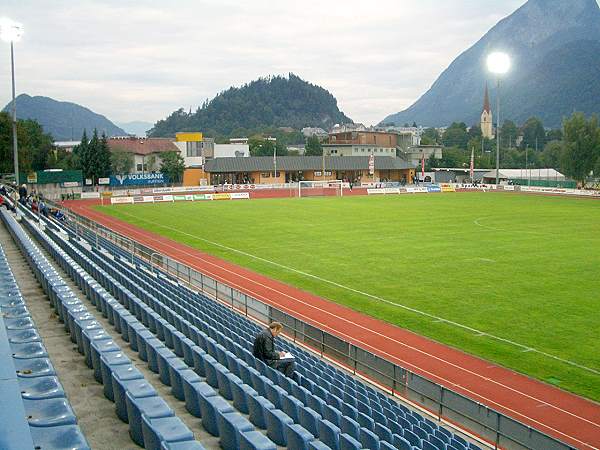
{"x":141,"y":60}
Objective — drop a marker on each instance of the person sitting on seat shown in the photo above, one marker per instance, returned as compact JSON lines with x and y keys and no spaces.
{"x":264,"y":349}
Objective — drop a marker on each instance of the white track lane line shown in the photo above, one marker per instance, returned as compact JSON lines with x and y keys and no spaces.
{"x":377,"y":350}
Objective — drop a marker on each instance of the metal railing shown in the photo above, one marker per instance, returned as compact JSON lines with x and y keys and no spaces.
{"x":491,"y":426}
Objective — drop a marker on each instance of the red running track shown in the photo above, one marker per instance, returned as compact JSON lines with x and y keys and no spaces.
{"x":565,"y":416}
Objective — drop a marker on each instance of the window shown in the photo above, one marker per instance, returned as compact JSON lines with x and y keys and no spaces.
{"x":327,"y":174}
{"x":140,"y":168}
{"x":317,"y":174}
{"x":193,"y":149}
{"x":265,"y":175}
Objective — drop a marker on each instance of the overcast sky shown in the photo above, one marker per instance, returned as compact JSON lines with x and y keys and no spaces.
{"x":142,"y":59}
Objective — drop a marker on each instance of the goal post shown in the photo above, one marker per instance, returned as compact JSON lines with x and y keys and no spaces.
{"x":331,"y":188}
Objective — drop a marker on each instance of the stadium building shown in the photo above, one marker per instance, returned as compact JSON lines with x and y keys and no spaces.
{"x":285,"y":169}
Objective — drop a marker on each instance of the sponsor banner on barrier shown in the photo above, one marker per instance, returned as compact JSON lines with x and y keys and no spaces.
{"x":139,"y":179}
{"x":104,"y":180}
{"x":224,"y":196}
{"x":90,"y":195}
{"x":148,"y":199}
{"x":179,"y":198}
{"x":416,"y":190}
{"x":202,"y":197}
{"x":240,"y":195}
{"x":184,"y":189}
{"x":383,"y":191}
{"x":509,"y":188}
{"x":121,"y":200}
{"x":434,"y":188}
{"x":138,"y":199}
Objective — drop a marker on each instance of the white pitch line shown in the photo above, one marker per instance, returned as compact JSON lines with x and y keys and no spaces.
{"x":405,"y":345}
{"x":371,"y":296}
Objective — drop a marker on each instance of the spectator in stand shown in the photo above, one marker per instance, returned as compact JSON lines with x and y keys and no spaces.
{"x":264,"y":349}
{"x":3,"y":190}
{"x":23,"y":194}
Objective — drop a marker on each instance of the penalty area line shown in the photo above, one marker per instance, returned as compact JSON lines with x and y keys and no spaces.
{"x":371,"y":296}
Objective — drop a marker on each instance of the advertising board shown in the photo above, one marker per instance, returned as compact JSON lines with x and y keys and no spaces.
{"x":139,"y":179}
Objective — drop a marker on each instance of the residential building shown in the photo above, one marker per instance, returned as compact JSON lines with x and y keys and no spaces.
{"x":346,"y":127}
{"x":146,"y":152}
{"x":364,"y":143}
{"x":414,"y":155}
{"x":66,"y":145}
{"x":314,"y":131}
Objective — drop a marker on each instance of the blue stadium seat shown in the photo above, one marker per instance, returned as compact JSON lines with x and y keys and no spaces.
{"x":67,"y":437}
{"x":231,"y":425}
{"x":348,"y":442}
{"x":152,"y":407}
{"x":309,"y":419}
{"x":329,"y":434}
{"x":368,"y":439}
{"x":40,"y":388}
{"x":350,"y":426}
{"x":255,"y":440}
{"x":298,"y":437}
{"x":49,"y":412}
{"x":164,"y":430}
{"x":277,"y":423}
{"x":257,"y":407}
{"x":210,"y":407}
{"x":137,"y":388}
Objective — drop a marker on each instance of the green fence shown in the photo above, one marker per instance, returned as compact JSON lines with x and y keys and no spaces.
{"x":546,"y":183}
{"x":52,"y":177}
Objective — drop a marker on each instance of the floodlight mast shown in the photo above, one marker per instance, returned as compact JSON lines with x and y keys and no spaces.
{"x":498,"y":63}
{"x":11,"y":31}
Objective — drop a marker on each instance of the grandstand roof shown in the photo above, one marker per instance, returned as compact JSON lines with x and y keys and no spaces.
{"x":524,"y":174}
{"x":300,"y":163}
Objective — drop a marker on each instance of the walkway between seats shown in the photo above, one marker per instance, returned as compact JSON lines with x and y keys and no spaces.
{"x":565,"y":416}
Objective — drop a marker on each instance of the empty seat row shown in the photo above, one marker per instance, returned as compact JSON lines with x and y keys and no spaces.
{"x":369,"y":414}
{"x":152,"y":427}
{"x":218,"y":417}
{"x":35,"y":410}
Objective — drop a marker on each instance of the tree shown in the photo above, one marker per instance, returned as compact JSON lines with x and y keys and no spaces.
{"x":456,"y":136}
{"x":103,"y":158}
{"x":313,"y":147}
{"x":554,"y":135}
{"x":121,"y":161}
{"x":432,"y":135}
{"x":508,"y":134}
{"x":172,"y":166}
{"x":82,"y":154}
{"x":533,"y":133}
{"x":581,"y":146}
{"x":475,"y":132}
{"x":551,"y":154}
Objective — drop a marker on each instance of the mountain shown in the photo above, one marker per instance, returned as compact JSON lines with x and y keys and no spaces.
{"x":267,"y":102}
{"x":553,"y":45}
{"x":65,"y":121}
{"x":137,"y":127}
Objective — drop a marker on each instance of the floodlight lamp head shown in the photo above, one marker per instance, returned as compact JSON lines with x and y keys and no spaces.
{"x":10,"y":31}
{"x":498,"y":63}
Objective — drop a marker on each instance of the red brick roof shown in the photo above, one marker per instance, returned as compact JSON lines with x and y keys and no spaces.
{"x":141,"y":146}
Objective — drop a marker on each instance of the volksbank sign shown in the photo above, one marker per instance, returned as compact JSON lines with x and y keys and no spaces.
{"x":139,"y":179}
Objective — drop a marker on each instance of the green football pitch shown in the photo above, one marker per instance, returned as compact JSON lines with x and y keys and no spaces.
{"x":521,"y":272}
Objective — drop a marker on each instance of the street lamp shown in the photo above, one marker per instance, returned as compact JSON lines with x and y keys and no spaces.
{"x":11,"y":31}
{"x":498,"y":63}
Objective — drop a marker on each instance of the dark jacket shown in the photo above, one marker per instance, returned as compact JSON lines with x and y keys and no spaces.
{"x":264,"y":347}
{"x":22,"y":192}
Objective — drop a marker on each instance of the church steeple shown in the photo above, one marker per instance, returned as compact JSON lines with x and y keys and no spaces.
{"x":487,"y":124}
{"x":486,"y":100}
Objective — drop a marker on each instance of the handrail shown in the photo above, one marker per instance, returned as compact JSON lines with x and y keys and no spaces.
{"x":447,"y":405}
